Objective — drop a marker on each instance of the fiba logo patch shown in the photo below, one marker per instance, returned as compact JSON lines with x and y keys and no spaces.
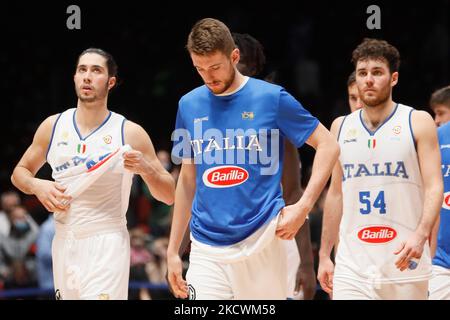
{"x":248,"y":115}
{"x":58,"y":294}
{"x":191,"y":292}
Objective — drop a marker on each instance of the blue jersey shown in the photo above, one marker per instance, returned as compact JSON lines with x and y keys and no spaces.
{"x":442,"y":257}
{"x":236,"y":142}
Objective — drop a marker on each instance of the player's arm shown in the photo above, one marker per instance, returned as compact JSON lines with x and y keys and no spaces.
{"x":184,"y":196}
{"x":332,"y":214}
{"x":23,"y":177}
{"x":433,"y":237}
{"x":327,"y":152}
{"x":429,"y":157}
{"x":142,"y":160}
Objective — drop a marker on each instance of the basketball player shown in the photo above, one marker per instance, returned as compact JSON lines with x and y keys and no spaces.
{"x":238,"y":214}
{"x":440,"y":104}
{"x":354,"y":101}
{"x":301,"y":274}
{"x":439,"y":287}
{"x":386,"y":187}
{"x":91,"y":251}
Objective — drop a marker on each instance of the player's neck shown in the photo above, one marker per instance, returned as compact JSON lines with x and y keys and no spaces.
{"x":90,"y":115}
{"x":237,"y":82}
{"x":374,"y":116}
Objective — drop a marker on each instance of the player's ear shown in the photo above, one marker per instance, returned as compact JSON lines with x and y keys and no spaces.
{"x":112,"y":82}
{"x":235,"y":56}
{"x":394,"y":79}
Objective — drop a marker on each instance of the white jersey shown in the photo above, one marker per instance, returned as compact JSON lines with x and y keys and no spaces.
{"x":103,"y":204}
{"x":382,"y":199}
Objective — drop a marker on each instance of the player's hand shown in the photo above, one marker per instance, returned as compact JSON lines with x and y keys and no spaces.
{"x":135,"y":162}
{"x":177,"y":284}
{"x":51,"y":195}
{"x":325,"y":274}
{"x":408,"y":251}
{"x":290,"y":221}
{"x":306,"y":281}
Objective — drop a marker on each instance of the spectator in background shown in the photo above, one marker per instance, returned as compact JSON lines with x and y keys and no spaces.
{"x":44,"y":254}
{"x":156,"y":269}
{"x":140,"y":256}
{"x":16,"y":265}
{"x":9,"y":200}
{"x":160,"y":213}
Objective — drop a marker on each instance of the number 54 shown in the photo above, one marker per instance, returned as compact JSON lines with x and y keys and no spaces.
{"x":379,"y":203}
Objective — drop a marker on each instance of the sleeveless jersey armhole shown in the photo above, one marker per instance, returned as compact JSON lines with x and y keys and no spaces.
{"x":411,"y":129}
{"x":122,"y":130}
{"x":340,"y":128}
{"x":51,"y":137}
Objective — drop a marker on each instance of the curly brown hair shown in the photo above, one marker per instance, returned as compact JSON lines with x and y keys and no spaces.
{"x":209,"y":35}
{"x":375,"y":49}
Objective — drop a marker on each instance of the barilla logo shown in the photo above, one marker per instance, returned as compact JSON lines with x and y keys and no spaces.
{"x":224,"y":176}
{"x":446,"y":202}
{"x":377,"y":234}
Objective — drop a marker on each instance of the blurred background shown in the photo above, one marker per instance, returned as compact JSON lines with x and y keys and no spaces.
{"x":308,"y":48}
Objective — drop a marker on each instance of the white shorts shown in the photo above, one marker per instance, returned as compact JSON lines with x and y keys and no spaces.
{"x":293,"y":263}
{"x":253,"y":269}
{"x":439,"y":286}
{"x":349,"y":289}
{"x":93,"y":267}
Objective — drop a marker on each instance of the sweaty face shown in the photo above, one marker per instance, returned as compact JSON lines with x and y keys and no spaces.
{"x":374,"y":81}
{"x":441,"y":114}
{"x":91,"y":78}
{"x":216,"y":70}
{"x":354,"y":101}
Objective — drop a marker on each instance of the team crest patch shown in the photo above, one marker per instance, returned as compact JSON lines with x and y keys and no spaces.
{"x":249,"y":115}
{"x":103,"y":296}
{"x":191,"y":292}
{"x":107,"y":139}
